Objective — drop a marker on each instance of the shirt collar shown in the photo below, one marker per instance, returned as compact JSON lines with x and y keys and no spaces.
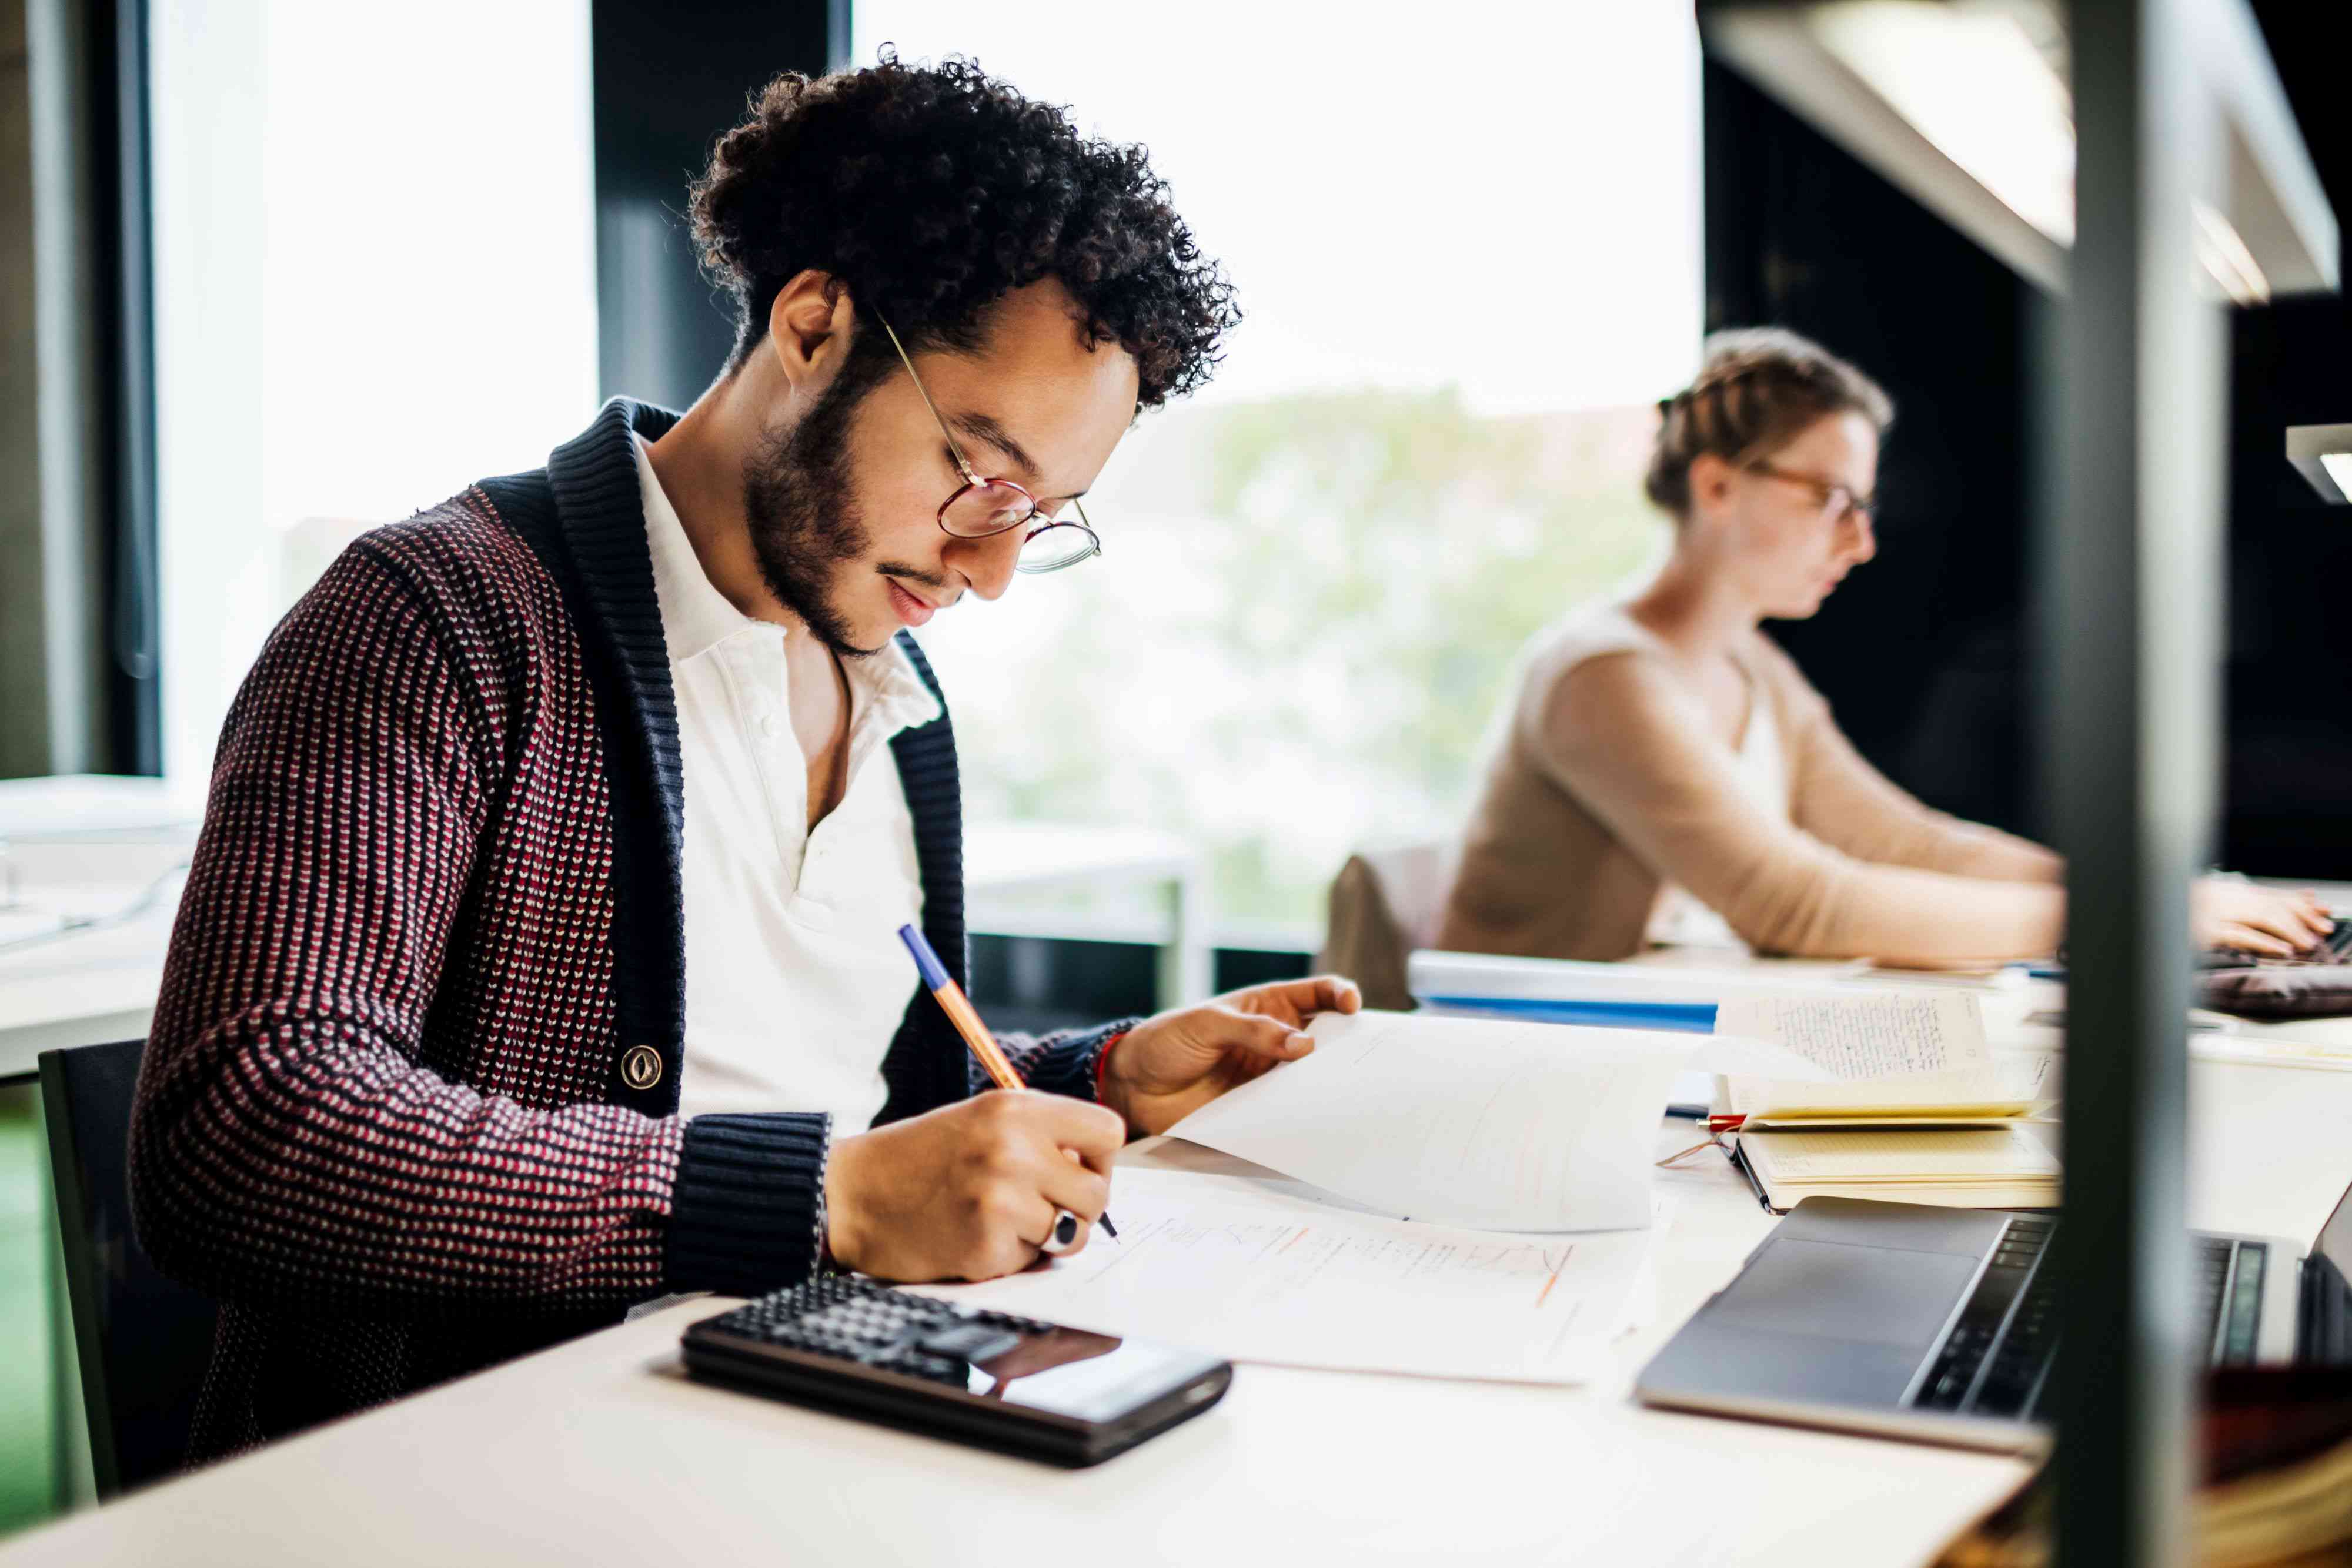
{"x":696,"y":617}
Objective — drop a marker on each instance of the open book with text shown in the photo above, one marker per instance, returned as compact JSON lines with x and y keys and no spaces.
{"x":1917,"y":1109}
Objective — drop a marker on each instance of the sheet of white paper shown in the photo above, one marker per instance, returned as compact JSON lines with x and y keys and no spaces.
{"x":2028,"y":1075}
{"x":1501,"y":1125}
{"x":1266,"y":1278}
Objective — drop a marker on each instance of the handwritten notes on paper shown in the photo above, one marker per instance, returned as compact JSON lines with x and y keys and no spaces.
{"x":1861,"y":1034}
{"x":1259,"y":1277}
{"x":1889,"y":1051}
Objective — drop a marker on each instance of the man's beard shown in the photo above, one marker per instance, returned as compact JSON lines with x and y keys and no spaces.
{"x":804,"y":523}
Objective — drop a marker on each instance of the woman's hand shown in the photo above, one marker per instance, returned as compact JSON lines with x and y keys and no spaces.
{"x":1170,"y":1065}
{"x":2226,"y":913}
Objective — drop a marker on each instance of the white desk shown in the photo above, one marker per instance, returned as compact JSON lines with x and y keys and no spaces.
{"x":86,"y":846}
{"x":601,"y":1452}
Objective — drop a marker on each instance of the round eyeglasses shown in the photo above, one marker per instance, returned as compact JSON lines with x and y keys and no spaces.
{"x":983,"y":507}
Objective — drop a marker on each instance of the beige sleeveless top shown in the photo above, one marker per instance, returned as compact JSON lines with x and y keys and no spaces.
{"x":1609,"y":806}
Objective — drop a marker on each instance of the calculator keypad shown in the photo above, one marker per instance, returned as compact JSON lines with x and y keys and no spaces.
{"x":857,"y":1321}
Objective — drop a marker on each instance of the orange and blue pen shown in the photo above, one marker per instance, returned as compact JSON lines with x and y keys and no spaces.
{"x":966,"y":1018}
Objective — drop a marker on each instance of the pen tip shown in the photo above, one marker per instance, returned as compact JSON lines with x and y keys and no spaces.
{"x":1109,"y":1228}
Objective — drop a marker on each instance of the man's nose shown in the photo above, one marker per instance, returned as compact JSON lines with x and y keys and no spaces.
{"x":988,"y":564}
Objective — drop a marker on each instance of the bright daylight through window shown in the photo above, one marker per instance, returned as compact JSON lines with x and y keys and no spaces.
{"x":1466,"y":245}
{"x":327,"y":292}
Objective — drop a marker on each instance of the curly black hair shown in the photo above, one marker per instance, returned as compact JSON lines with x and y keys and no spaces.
{"x":931,"y":191}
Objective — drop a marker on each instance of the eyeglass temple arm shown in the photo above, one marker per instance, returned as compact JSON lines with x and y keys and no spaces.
{"x":969,"y":477}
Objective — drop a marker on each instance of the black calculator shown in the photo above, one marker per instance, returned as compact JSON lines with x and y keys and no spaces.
{"x":1002,"y":1382}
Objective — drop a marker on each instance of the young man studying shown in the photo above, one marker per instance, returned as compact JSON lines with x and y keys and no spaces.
{"x":540,"y":955}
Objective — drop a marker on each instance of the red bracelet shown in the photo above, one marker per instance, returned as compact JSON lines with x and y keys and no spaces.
{"x":1102,"y":1059}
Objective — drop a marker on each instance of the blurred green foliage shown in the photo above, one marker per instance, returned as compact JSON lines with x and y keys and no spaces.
{"x":1306,"y":613}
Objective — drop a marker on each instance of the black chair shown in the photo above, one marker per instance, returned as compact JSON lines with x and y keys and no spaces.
{"x":141,"y":1340}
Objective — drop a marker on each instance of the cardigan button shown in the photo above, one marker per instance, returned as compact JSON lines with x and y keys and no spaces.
{"x":641,"y":1067}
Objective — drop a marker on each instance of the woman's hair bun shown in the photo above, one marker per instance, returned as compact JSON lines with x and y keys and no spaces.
{"x":1757,"y":388}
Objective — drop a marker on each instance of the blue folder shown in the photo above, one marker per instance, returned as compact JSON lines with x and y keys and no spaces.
{"x":1685,"y":1017}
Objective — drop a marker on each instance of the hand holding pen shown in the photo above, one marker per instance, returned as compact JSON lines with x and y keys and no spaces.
{"x":973,"y":1188}
{"x":1068,"y":1230}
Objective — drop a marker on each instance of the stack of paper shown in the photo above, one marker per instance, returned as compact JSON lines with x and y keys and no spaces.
{"x":2002,"y":1167}
{"x":1454,"y":1199}
{"x":1507,"y":1126}
{"x":1264,"y":1277}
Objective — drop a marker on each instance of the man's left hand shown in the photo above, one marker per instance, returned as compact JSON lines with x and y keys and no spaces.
{"x":1170,"y":1065}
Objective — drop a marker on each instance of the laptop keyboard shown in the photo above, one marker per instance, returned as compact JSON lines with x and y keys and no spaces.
{"x":1996,"y":1360}
{"x":2335,"y":948}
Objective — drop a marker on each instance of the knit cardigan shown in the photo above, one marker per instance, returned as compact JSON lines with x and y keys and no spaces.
{"x":400,"y":1110}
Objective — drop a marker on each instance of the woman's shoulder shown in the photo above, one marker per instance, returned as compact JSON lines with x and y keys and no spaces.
{"x":1589,"y":631}
{"x":1584,"y":672}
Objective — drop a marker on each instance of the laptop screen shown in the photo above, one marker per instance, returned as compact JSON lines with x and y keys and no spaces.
{"x":2334,"y":1242}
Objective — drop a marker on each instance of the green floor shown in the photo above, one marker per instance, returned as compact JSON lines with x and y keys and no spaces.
{"x":28,"y":1486}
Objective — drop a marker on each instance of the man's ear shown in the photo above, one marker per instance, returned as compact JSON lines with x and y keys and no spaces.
{"x":809,"y":328}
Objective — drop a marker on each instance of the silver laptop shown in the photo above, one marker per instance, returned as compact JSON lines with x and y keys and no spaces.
{"x":1940,"y":1323}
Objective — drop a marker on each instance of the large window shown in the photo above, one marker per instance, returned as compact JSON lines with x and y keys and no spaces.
{"x":1466,"y":238}
{"x":1467,"y":241}
{"x":375,"y":283}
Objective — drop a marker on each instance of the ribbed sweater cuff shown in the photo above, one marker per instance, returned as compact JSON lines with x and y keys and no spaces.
{"x":748,"y":1204}
{"x":1065,"y":1063}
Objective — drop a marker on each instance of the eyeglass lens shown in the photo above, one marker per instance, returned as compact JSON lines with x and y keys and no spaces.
{"x":1052,"y":549}
{"x":987,"y":508}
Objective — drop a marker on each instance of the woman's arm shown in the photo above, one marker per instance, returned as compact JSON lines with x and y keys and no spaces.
{"x":1621,"y":734}
{"x":1835,"y":794}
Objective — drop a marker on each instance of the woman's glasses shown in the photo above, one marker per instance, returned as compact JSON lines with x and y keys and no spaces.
{"x":985,"y":507}
{"x":1836,"y":500}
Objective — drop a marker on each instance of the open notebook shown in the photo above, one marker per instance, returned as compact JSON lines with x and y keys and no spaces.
{"x":1918,"y":1109}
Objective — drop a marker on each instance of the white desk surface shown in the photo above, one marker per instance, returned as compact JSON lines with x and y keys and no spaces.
{"x":601,"y":1452}
{"x":86,"y":987}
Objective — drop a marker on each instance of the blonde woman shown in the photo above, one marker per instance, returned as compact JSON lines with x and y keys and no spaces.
{"x":1667,"y":775}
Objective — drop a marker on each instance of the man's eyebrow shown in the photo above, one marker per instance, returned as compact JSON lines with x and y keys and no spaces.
{"x":983,"y":427}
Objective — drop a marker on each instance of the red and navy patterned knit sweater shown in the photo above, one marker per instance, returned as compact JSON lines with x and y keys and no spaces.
{"x":392,"y":1113}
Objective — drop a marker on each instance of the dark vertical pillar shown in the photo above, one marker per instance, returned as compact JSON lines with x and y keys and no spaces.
{"x":668,"y":79}
{"x":2133,"y":599}
{"x":134,"y":617}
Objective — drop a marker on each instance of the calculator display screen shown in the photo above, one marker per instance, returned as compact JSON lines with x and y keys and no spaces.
{"x":1086,"y":1376}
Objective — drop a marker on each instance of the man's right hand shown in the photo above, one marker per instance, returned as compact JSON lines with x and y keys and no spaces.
{"x":968,"y":1191}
